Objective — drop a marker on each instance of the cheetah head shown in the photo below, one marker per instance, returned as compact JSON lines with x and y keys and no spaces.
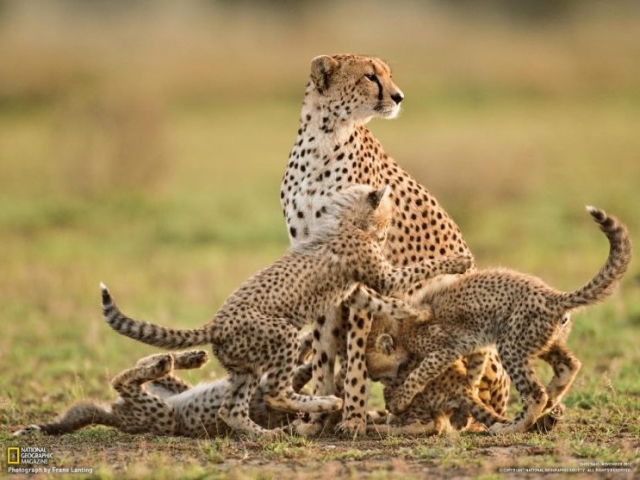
{"x":385,"y":356}
{"x":360,"y":209}
{"x":354,"y":87}
{"x":364,"y":208}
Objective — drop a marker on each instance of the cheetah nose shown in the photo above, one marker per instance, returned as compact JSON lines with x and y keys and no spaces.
{"x":397,"y":97}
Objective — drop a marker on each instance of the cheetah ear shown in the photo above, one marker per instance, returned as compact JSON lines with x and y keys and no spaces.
{"x":385,"y":343}
{"x":322,"y":68}
{"x":375,"y":197}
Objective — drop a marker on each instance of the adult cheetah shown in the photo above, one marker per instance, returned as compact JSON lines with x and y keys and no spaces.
{"x":255,"y":332}
{"x":521,"y":315}
{"x":334,"y":149}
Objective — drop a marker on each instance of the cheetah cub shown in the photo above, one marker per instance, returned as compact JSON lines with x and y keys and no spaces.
{"x":446,"y":404}
{"x":255,"y":331}
{"x":153,"y":400}
{"x":519,"y":314}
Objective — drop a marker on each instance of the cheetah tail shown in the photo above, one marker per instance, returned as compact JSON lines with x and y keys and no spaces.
{"x":611,"y":272}
{"x":78,"y":416}
{"x":147,"y":332}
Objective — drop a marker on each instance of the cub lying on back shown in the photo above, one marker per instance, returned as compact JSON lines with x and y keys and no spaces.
{"x":153,"y":400}
{"x":255,"y":332}
{"x":519,"y":314}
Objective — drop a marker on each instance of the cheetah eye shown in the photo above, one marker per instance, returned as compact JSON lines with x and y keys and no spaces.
{"x":372,"y":77}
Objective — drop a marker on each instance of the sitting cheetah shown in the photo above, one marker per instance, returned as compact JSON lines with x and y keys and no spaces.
{"x":334,"y":149}
{"x":255,"y":331}
{"x":153,"y":400}
{"x":520,"y":314}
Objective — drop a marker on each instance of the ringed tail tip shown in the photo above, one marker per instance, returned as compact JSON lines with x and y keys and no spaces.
{"x":106,"y":297}
{"x":598,"y":214}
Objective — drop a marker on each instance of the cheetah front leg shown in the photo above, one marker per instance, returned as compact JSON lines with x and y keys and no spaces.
{"x":234,"y":410}
{"x":279,"y":391}
{"x":363,"y":301}
{"x":480,"y":411}
{"x":367,"y":299}
{"x":328,"y":330}
{"x":356,"y":388}
{"x":412,"y":279}
{"x":432,"y":366}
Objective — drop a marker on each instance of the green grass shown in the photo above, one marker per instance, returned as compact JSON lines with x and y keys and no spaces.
{"x":175,"y":216}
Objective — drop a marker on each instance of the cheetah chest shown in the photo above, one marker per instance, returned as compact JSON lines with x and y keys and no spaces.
{"x":313,"y":174}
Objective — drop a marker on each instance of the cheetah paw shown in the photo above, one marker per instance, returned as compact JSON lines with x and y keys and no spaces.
{"x":461,"y":263}
{"x":272,"y":434}
{"x":307,"y":429}
{"x":505,"y":428}
{"x":189,"y":359}
{"x":352,"y":427}
{"x":549,"y":420}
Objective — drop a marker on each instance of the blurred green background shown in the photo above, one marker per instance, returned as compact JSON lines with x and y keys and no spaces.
{"x":142,"y":144}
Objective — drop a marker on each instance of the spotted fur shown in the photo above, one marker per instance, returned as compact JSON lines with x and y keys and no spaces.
{"x":334,"y":149}
{"x":255,"y":331}
{"x":153,"y":400}
{"x":520,"y":314}
{"x":448,"y":403}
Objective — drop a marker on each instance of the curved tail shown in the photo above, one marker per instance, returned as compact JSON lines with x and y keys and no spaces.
{"x":147,"y":332}
{"x":80,"y":415}
{"x":611,"y":272}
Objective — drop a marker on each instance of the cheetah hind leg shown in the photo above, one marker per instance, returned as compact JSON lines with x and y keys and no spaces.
{"x":304,"y":369}
{"x":280,"y":394}
{"x":317,"y":423}
{"x":288,"y":400}
{"x":476,"y":364}
{"x":189,"y":359}
{"x":129,"y":384}
{"x":565,"y":368}
{"x":234,"y":410}
{"x":533,"y":395}
{"x":169,"y":384}
{"x":141,"y":410}
{"x":147,"y":369}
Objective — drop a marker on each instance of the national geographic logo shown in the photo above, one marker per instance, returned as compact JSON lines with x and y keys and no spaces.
{"x":35,"y":460}
{"x":28,"y":456}
{"x":13,"y":455}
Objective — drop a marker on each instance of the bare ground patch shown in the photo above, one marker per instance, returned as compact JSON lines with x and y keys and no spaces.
{"x":575,"y":449}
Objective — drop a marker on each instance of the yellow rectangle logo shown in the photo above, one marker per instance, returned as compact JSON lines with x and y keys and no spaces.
{"x":13,"y":455}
